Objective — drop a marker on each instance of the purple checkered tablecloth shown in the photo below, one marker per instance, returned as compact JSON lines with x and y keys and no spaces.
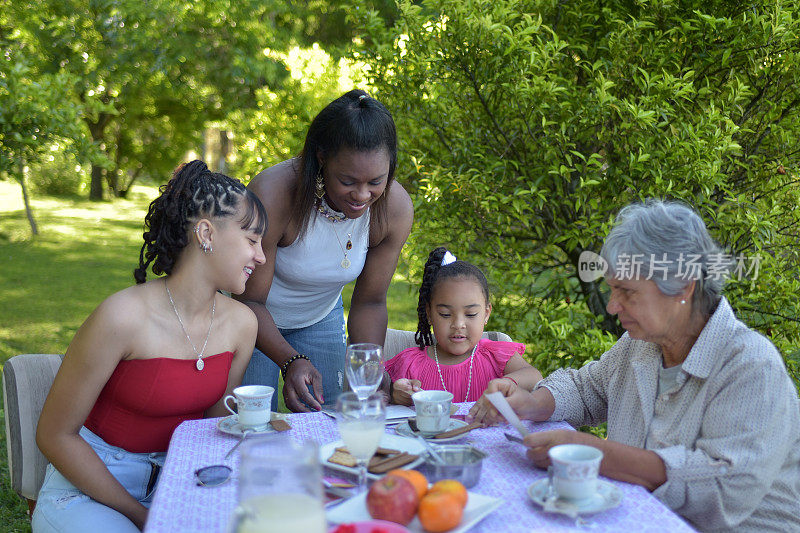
{"x":179,"y":505}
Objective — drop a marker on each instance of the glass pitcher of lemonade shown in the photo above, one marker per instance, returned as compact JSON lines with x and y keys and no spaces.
{"x":280,"y":487}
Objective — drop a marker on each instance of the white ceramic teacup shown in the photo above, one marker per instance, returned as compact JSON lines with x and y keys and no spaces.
{"x":575,"y":468}
{"x":433,"y":410}
{"x":253,"y":403}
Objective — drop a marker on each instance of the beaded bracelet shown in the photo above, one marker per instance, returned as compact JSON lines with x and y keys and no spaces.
{"x":292,"y":359}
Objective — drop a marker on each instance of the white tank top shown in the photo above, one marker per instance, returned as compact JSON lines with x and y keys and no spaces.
{"x":309,"y":276}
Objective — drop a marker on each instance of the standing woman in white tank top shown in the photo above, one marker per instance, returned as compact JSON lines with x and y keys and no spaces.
{"x":335,"y":215}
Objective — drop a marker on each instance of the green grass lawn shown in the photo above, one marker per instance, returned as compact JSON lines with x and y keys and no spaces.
{"x":85,"y":251}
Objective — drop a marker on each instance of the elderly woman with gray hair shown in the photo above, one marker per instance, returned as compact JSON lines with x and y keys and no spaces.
{"x":700,"y":408}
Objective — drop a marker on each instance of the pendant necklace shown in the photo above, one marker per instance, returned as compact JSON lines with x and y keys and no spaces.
{"x":346,"y":248}
{"x":439,"y":368}
{"x":200,"y":364}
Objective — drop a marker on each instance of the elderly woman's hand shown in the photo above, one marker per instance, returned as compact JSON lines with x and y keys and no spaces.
{"x":402,"y":390}
{"x":540,"y":443}
{"x":483,"y":410}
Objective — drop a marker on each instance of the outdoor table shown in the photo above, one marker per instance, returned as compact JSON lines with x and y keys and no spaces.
{"x":180,"y":505}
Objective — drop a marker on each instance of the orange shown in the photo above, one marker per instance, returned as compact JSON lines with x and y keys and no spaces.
{"x":439,"y":511}
{"x":454,"y":487}
{"x":416,"y":478}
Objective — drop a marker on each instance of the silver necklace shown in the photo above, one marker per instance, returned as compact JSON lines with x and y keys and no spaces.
{"x":200,"y":364}
{"x":439,"y":368}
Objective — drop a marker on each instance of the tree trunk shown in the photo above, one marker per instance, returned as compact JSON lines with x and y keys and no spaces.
{"x":224,"y":148}
{"x":26,"y":199}
{"x":96,"y":129}
{"x":133,"y":175}
{"x":96,"y":184}
{"x":112,"y":177}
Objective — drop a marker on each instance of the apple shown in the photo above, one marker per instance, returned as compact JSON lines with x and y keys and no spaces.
{"x":394,"y":499}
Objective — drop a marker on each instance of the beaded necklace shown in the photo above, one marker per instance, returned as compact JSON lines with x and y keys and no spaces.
{"x":439,"y":368}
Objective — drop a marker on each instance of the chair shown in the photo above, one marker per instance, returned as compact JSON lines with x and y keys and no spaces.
{"x":27,"y":379}
{"x":398,"y":340}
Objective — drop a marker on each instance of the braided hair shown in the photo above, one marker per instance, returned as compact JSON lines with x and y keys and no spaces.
{"x":434,"y":273}
{"x":354,"y":121}
{"x":194,"y":192}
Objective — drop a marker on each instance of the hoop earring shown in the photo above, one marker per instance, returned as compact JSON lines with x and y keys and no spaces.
{"x":206,"y":247}
{"x":320,"y":185}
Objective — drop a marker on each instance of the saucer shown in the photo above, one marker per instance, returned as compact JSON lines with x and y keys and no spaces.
{"x":607,"y":497}
{"x":405,"y":430}
{"x":231,"y":426}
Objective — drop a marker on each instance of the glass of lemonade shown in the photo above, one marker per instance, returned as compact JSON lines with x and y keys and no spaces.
{"x":364,"y":367}
{"x":280,"y":487}
{"x":361,"y":424}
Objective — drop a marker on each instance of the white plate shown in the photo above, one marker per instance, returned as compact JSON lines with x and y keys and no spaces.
{"x":355,"y":510}
{"x":608,"y":496}
{"x":394,"y":442}
{"x":231,"y":426}
{"x":405,"y":430}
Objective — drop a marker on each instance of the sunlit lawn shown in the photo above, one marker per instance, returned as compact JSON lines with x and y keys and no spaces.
{"x":85,"y":251}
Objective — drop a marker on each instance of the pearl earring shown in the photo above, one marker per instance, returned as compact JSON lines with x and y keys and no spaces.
{"x":683,"y":302}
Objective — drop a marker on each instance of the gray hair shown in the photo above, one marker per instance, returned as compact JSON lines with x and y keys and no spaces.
{"x":673,"y":248}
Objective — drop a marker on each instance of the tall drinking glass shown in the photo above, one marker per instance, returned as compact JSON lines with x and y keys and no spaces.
{"x":364,"y":367}
{"x":280,"y":487}
{"x":361,"y":424}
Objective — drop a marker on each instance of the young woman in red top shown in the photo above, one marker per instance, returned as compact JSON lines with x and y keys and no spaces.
{"x":151,"y":356}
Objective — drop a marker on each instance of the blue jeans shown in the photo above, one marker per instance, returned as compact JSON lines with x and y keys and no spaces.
{"x":324,"y":343}
{"x":62,"y":507}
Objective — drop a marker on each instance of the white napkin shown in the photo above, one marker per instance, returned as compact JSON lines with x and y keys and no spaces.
{"x":501,"y":404}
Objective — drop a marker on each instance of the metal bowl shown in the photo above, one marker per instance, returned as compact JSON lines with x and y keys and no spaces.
{"x":461,"y":462}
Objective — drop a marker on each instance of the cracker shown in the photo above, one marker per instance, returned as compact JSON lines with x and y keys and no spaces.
{"x":342,"y":457}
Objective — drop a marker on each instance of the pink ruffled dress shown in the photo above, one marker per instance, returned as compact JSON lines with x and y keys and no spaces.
{"x":490,"y":363}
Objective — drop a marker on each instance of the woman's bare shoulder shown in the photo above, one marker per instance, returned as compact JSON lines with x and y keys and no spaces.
{"x":400,"y":210}
{"x":399,"y":203}
{"x":237,"y":312}
{"x":277,"y":180}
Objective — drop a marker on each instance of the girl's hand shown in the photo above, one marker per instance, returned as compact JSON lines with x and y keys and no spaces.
{"x":483,"y":410}
{"x":403,"y":389}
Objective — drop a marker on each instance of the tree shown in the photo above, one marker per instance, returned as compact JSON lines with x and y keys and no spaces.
{"x":34,"y":114}
{"x":151,"y":74}
{"x":275,"y":129}
{"x":526,"y":125}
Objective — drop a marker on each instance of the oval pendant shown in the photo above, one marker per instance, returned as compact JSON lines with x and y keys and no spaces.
{"x":345,"y":263}
{"x":200,"y":364}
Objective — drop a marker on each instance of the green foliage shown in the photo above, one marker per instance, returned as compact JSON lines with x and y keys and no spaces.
{"x":58,"y":173}
{"x":35,"y":112}
{"x":527,"y":124}
{"x":275,"y":129}
{"x":150,"y":74}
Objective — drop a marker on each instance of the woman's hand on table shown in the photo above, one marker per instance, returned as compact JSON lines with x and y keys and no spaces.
{"x":402,"y":390}
{"x":540,"y":443}
{"x":300,"y":374}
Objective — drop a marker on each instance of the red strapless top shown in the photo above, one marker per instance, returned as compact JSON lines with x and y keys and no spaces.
{"x":144,"y":400}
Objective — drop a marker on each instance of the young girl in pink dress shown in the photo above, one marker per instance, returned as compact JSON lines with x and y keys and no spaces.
{"x":454,"y":301}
